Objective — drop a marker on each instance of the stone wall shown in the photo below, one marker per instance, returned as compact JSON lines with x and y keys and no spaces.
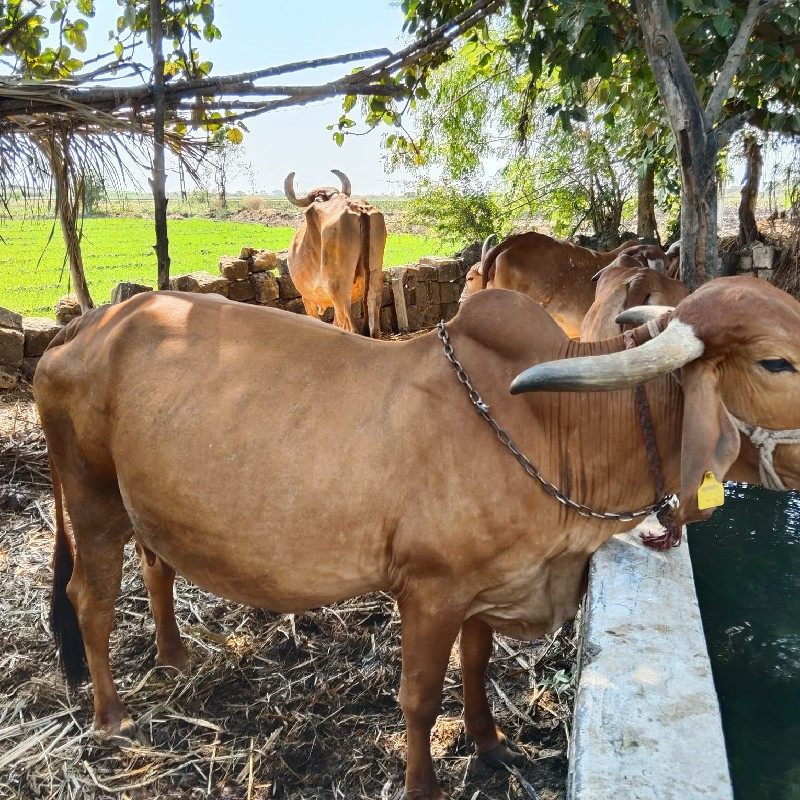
{"x":22,"y":342}
{"x":414,"y":297}
{"x":759,"y":260}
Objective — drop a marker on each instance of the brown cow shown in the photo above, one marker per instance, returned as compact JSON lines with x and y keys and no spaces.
{"x":474,"y":277}
{"x":624,"y":283}
{"x":336,"y":256}
{"x":556,"y":274}
{"x":509,"y":558}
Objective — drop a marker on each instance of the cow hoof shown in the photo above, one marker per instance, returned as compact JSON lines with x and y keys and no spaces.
{"x":177,"y":659}
{"x":126,"y":735}
{"x":506,"y":754}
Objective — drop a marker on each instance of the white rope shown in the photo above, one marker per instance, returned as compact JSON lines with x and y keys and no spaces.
{"x":765,"y":441}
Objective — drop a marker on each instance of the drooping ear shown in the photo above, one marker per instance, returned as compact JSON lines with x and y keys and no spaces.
{"x":639,"y":288}
{"x":709,"y":440}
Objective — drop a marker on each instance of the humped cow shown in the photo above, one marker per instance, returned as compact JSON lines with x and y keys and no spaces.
{"x":336,"y":255}
{"x":623,"y":284}
{"x":555,"y":273}
{"x":512,"y":558}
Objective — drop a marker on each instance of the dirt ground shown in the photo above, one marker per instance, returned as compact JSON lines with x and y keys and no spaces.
{"x":275,"y":706}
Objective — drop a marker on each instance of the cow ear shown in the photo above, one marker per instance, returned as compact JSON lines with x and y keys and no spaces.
{"x":638,"y":290}
{"x":710,"y":440}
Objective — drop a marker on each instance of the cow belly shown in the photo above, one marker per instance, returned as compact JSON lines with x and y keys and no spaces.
{"x":318,"y":294}
{"x":234,"y":554}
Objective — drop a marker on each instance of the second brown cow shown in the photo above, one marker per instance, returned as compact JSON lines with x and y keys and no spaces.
{"x":336,"y":256}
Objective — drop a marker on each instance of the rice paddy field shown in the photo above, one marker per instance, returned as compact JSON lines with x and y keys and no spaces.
{"x":33,"y":273}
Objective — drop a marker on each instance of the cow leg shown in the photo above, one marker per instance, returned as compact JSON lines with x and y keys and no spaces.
{"x":312,"y":309}
{"x":159,"y":578}
{"x":476,"y":649}
{"x":427,"y":638}
{"x":101,"y":527}
{"x":342,"y":316}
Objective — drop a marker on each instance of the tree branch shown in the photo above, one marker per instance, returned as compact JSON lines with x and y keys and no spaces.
{"x":126,"y":106}
{"x":755,"y":12}
{"x":726,"y":129}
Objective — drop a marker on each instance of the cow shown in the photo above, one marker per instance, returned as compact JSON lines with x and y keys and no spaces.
{"x":555,"y":273}
{"x":625,"y":283}
{"x":130,"y":396}
{"x":673,"y":253}
{"x":474,"y":276}
{"x":336,"y":255}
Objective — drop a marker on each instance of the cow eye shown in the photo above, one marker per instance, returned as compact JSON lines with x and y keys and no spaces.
{"x":777,"y":365}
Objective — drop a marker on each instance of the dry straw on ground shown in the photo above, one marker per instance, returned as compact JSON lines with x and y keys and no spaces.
{"x":275,"y":706}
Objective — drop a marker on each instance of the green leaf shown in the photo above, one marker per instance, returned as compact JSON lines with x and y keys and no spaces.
{"x":723,"y":25}
{"x":348,"y":103}
{"x":338,"y":137}
{"x":211,"y":32}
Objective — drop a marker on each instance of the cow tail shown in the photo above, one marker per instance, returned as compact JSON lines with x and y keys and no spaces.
{"x":363,"y":262}
{"x":63,"y":619}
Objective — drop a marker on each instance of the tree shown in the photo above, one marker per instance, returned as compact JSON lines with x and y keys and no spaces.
{"x":693,"y":61}
{"x":479,"y":112}
{"x":224,"y":160}
{"x":754,"y":163}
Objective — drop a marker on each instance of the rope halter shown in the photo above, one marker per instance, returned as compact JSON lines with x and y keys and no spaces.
{"x":765,"y":441}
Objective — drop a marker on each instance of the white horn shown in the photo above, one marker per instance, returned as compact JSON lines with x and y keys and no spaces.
{"x":678,"y":345}
{"x":641,"y":315}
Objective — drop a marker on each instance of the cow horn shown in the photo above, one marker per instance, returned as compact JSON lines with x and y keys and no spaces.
{"x":346,"y":188}
{"x":641,"y":315}
{"x":288,"y":190}
{"x":488,"y":243}
{"x":678,"y":345}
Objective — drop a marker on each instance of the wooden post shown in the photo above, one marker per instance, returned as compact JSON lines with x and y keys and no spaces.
{"x":69,"y":196}
{"x":159,"y":180}
{"x":399,"y":298}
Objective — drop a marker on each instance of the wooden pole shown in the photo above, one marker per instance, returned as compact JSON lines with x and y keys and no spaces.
{"x":69,"y":194}
{"x":159,"y":180}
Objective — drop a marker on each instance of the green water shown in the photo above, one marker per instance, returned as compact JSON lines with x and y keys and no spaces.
{"x":746,"y":560}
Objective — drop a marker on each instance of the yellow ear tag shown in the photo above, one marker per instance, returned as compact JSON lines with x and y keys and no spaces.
{"x":711,"y":493}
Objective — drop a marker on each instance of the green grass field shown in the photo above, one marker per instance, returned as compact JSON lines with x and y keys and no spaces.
{"x":33,"y":274}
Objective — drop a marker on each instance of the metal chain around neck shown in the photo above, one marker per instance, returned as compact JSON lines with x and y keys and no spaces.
{"x":671,"y":501}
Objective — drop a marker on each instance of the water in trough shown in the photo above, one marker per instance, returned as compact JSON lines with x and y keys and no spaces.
{"x":746,"y":560}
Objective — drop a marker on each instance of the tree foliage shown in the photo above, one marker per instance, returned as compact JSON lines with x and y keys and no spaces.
{"x":480,"y":114}
{"x":463,"y":214}
{"x":708,"y":66}
{"x":581,"y":42}
{"x":39,"y":46}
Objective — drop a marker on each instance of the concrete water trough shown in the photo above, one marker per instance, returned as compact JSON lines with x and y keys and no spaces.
{"x":646,"y":722}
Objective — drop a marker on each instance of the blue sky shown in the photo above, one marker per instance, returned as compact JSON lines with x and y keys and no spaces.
{"x":263,"y":33}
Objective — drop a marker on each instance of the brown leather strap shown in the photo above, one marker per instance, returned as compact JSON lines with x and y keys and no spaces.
{"x":671,"y":537}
